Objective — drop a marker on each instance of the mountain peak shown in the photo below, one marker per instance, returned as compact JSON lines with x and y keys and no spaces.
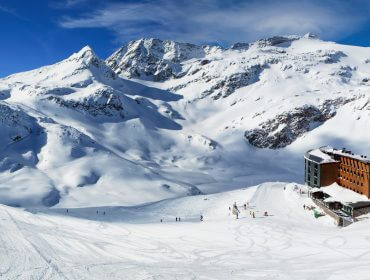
{"x":86,"y":53}
{"x":311,"y":35}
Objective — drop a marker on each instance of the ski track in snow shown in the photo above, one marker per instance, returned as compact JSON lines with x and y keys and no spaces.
{"x":81,"y":244}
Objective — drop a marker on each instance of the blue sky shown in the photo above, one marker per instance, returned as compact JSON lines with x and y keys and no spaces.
{"x":39,"y":32}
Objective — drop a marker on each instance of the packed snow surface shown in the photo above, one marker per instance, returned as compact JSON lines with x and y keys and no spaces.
{"x":132,"y":243}
{"x":338,"y":193}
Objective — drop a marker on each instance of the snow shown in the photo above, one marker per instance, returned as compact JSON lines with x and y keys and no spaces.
{"x":323,"y":156}
{"x":337,"y":193}
{"x":132,"y":243}
{"x":92,"y":136}
{"x":346,"y":154}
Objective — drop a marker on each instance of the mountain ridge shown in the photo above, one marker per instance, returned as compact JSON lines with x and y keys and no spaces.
{"x":161,"y":119}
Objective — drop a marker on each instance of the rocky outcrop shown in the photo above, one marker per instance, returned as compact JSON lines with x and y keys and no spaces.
{"x":102,"y":102}
{"x":282,"y":130}
{"x":15,"y":124}
{"x":153,"y":59}
{"x":230,"y":84}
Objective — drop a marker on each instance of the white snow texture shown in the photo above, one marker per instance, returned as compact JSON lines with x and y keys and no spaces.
{"x":162,"y":129}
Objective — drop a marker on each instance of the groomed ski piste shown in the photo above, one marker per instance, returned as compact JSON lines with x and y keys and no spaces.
{"x":132,"y":243}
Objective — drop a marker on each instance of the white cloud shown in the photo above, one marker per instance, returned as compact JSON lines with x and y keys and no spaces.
{"x":224,"y":21}
{"x":10,"y":12}
{"x":67,"y":4}
{"x":70,"y":3}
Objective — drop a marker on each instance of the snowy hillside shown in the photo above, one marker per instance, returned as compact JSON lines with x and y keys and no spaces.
{"x":161,"y":119}
{"x":132,"y":243}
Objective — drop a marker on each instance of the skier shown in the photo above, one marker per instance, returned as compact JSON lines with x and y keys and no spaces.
{"x":179,"y":219}
{"x":161,"y":220}
{"x":266,"y":214}
{"x":245,"y":206}
{"x":176,"y":219}
{"x":67,"y":210}
{"x":253,"y":215}
{"x":97,"y":212}
{"x":104,"y":213}
{"x":236,"y":211}
{"x":201,"y":218}
{"x":304,"y":206}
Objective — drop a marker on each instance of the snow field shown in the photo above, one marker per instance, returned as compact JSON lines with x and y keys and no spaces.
{"x":131,"y":243}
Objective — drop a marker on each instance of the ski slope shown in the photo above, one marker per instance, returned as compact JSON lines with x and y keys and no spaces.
{"x":131,"y":243}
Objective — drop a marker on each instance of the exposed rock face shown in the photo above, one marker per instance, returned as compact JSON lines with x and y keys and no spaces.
{"x":224,"y":88}
{"x":153,"y":59}
{"x":218,"y":72}
{"x":103,"y":102}
{"x":286,"y":127}
{"x":14,"y":124}
{"x":276,"y":40}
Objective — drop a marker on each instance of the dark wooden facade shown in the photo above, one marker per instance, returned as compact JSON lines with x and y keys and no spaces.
{"x":329,"y":173}
{"x":354,"y":174}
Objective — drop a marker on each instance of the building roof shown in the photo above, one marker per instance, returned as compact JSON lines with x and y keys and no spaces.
{"x":345,"y":153}
{"x":359,"y":204}
{"x":338,"y":193}
{"x":316,"y":155}
{"x":331,"y":199}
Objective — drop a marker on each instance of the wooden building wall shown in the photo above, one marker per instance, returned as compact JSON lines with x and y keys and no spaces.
{"x":329,"y":173}
{"x":354,"y":175}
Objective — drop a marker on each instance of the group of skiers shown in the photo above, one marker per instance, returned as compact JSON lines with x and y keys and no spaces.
{"x":235,"y":210}
{"x":178,"y":219}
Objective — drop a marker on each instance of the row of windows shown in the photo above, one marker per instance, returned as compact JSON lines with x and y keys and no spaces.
{"x":345,"y":168}
{"x":352,"y":163}
{"x":356,"y":173}
{"x":315,"y":173}
{"x":314,"y":179}
{"x":360,"y":184}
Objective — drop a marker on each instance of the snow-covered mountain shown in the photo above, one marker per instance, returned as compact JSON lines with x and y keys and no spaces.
{"x":161,"y":119}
